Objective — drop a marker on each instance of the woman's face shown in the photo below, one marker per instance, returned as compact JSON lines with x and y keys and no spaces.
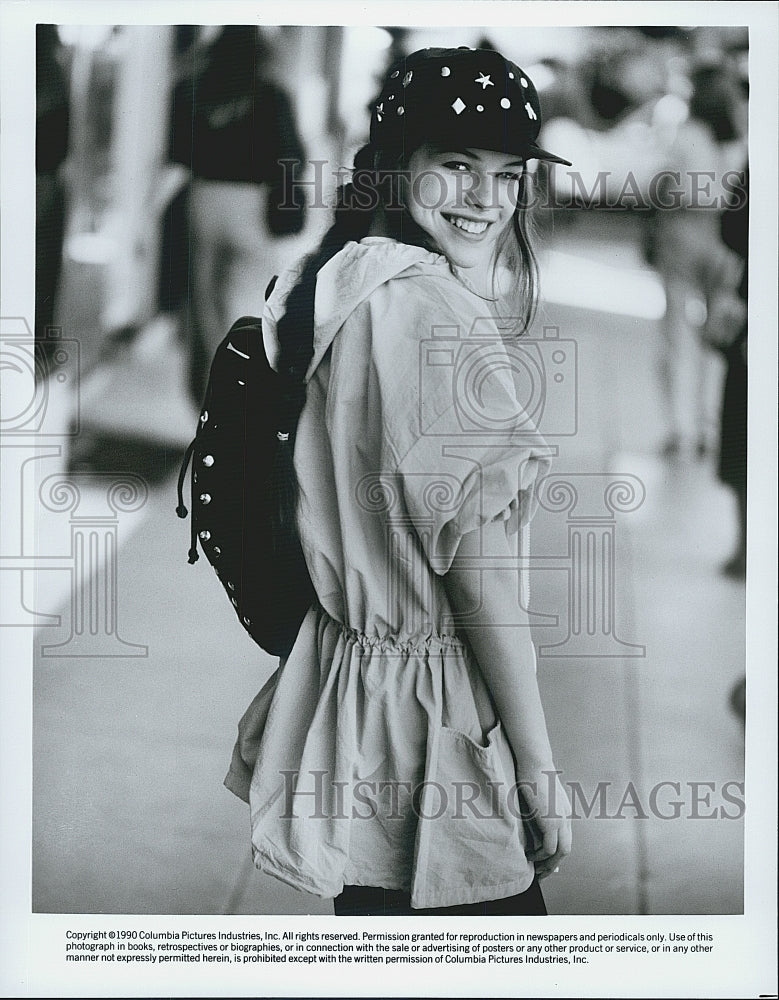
{"x":464,"y":200}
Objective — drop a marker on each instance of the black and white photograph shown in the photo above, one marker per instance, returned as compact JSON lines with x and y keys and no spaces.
{"x":388,"y":499}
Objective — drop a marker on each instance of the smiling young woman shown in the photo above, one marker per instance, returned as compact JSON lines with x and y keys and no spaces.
{"x":412,"y":679}
{"x":465,"y":202}
{"x":470,"y":205}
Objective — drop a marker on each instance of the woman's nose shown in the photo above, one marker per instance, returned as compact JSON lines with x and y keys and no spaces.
{"x":477,"y":194}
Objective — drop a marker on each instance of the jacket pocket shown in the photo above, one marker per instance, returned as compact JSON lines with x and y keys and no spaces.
{"x":470,"y":839}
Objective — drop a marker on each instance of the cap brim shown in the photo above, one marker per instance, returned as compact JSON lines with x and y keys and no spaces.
{"x":533,"y":152}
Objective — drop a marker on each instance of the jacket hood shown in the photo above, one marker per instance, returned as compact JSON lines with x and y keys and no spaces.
{"x":343,"y":284}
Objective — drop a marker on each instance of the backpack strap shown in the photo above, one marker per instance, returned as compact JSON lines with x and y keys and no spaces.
{"x":181,"y":510}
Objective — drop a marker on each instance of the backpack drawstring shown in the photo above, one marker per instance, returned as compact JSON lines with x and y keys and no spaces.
{"x":181,"y":510}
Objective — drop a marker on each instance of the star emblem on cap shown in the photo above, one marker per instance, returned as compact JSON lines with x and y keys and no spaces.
{"x":484,"y":80}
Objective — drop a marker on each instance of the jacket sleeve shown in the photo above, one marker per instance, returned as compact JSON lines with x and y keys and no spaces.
{"x":464,"y":450}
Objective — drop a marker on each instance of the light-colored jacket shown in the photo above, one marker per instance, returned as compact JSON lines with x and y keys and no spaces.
{"x":374,"y":755}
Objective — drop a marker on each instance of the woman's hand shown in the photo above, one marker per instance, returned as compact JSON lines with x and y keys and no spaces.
{"x":549,"y":822}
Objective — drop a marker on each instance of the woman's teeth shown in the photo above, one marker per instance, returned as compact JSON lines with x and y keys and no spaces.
{"x":470,"y":227}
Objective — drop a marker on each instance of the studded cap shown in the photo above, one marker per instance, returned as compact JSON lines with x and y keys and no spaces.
{"x":459,"y":97}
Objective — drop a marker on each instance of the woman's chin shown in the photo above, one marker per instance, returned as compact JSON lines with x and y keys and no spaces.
{"x":474,"y":262}
{"x":469,"y":252}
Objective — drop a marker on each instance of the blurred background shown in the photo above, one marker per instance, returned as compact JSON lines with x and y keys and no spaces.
{"x":157,"y":182}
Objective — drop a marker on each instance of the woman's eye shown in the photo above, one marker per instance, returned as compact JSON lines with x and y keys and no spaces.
{"x":509,"y":175}
{"x":459,"y":165}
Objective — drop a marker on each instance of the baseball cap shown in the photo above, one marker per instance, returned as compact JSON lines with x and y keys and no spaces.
{"x":457,"y":98}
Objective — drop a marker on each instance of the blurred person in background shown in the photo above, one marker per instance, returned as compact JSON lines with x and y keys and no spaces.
{"x":707,"y":152}
{"x":174,"y":263}
{"x":52,"y":120}
{"x":626,"y":76}
{"x":565,"y":93}
{"x":614,"y":109}
{"x":233,"y":132}
{"x":726,"y":331}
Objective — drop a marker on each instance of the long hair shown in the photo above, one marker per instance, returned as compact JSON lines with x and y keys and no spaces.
{"x":371,"y":190}
{"x":520,"y":259}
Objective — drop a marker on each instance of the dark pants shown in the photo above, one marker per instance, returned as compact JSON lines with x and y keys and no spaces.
{"x":366,"y":901}
{"x":49,"y":235}
{"x":733,"y":428}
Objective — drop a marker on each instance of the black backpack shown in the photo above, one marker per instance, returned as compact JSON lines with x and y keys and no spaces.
{"x":232,"y":505}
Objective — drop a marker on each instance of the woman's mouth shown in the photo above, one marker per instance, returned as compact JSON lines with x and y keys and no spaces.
{"x":467,"y":225}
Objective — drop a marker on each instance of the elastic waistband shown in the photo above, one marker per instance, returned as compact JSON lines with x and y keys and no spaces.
{"x":403,"y":643}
